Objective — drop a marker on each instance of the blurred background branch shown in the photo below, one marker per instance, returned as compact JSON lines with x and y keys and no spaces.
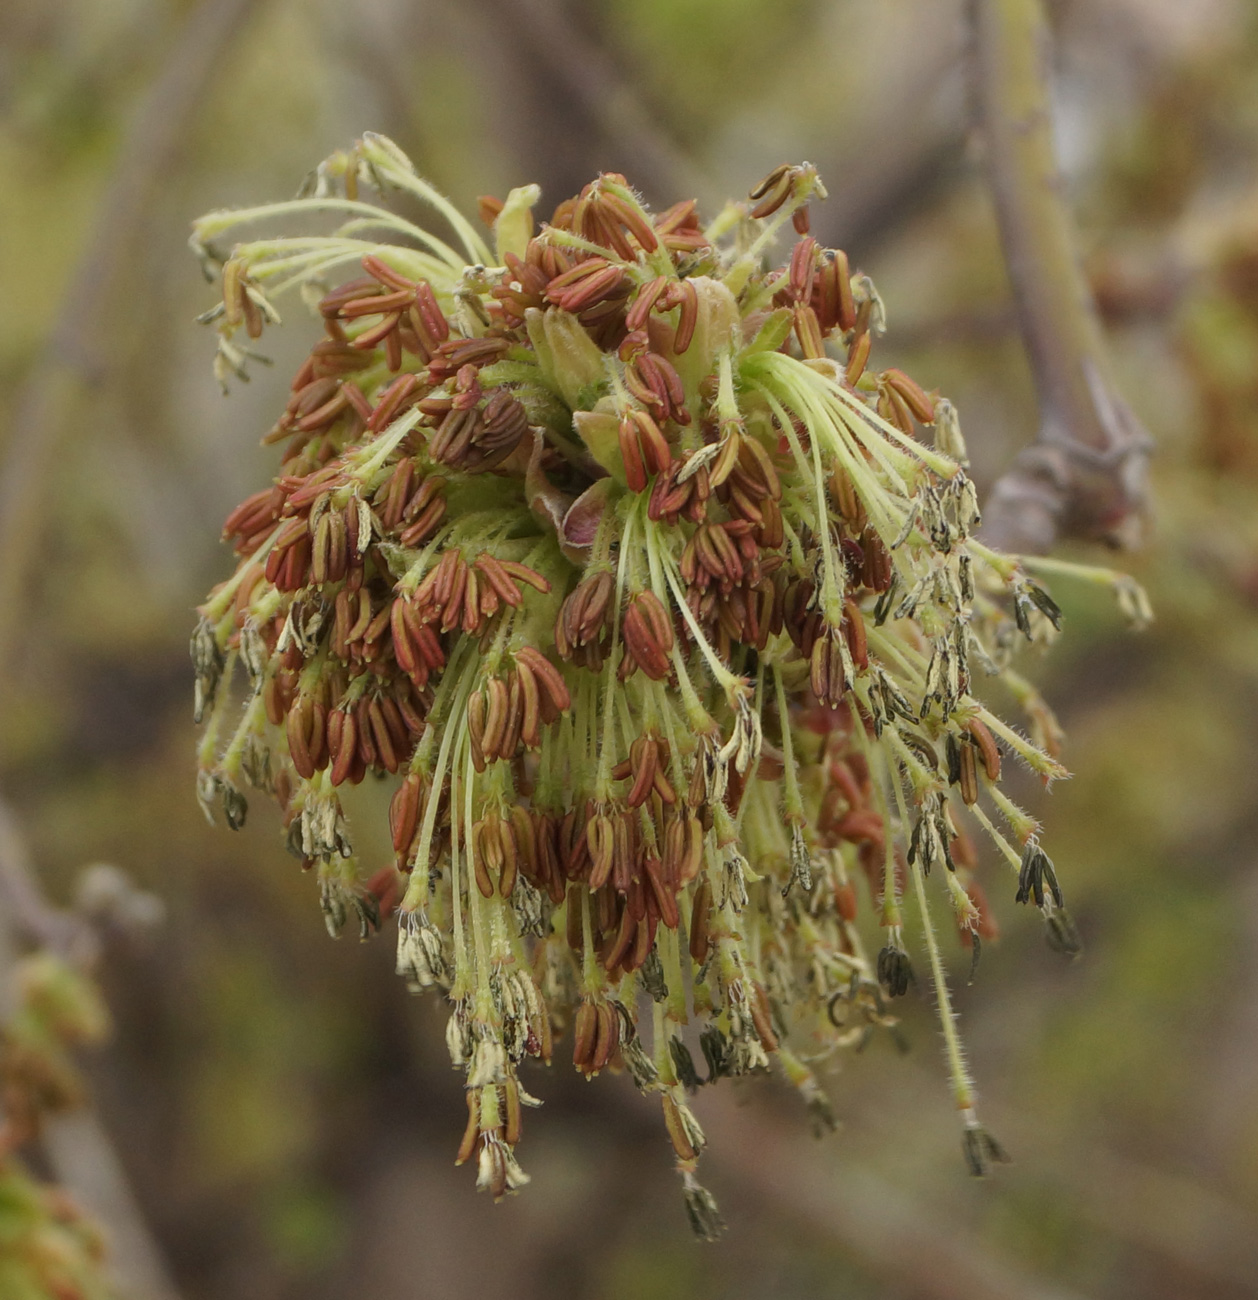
{"x":26,"y":916}
{"x":69,"y":366}
{"x":1086,"y":475}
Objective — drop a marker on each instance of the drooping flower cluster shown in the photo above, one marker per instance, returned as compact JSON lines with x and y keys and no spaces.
{"x":659,"y":607}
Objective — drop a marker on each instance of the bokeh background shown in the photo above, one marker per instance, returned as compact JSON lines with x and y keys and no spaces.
{"x":284,"y":1111}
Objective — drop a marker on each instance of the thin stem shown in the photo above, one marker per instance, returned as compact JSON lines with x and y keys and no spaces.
{"x":959,"y":1074}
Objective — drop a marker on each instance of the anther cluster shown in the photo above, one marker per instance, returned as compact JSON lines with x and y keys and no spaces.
{"x":658,"y":609}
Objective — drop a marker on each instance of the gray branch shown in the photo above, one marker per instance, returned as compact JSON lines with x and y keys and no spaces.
{"x":1086,"y":474}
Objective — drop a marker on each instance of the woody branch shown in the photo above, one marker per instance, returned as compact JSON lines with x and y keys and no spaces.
{"x":1085,"y":475}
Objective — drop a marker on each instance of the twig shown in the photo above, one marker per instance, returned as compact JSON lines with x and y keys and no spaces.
{"x":70,"y":363}
{"x":1086,"y":474}
{"x":24,"y":912}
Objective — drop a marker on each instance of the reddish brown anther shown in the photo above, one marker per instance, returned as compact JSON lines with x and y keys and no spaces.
{"x":988,"y":748}
{"x":683,"y":294}
{"x":582,"y":620}
{"x":592,"y":281}
{"x":771,"y":191}
{"x":489,"y":208}
{"x":647,"y":296}
{"x":654,"y":381}
{"x":912,"y":394}
{"x":857,"y":356}
{"x":648,"y":635}
{"x":802,"y":265}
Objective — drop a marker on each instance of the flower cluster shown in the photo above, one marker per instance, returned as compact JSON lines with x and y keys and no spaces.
{"x":658,"y":605}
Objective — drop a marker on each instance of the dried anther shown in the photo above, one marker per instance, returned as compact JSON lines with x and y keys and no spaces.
{"x":895,"y":971}
{"x":981,"y":1150}
{"x":1035,"y":874}
{"x":701,"y":1209}
{"x":1061,"y":934}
